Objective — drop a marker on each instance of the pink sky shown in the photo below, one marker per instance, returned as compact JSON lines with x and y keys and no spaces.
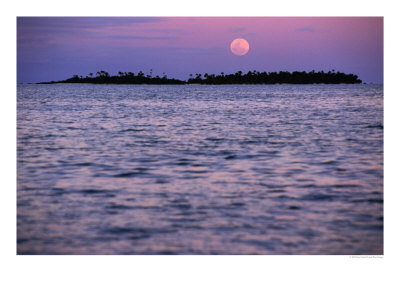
{"x":57,"y":48}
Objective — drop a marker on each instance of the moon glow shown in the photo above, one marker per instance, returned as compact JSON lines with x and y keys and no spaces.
{"x":240,"y":47}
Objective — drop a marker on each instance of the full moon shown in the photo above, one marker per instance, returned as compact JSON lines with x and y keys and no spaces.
{"x":240,"y":47}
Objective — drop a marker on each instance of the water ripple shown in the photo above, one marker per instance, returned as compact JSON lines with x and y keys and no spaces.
{"x":275,"y":169}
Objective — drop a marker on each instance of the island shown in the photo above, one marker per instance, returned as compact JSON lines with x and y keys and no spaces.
{"x":251,"y":77}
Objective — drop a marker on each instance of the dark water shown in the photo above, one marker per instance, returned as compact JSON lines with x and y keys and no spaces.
{"x":281,"y":169}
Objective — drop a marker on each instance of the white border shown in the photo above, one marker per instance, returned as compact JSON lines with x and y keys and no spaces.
{"x":196,"y":277}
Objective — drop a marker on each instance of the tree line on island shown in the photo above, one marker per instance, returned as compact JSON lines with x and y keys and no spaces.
{"x":251,"y":77}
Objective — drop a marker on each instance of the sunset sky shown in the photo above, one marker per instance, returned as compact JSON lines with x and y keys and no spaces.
{"x":56,"y":48}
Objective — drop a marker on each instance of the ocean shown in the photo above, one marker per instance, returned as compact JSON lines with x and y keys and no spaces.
{"x":200,"y":169}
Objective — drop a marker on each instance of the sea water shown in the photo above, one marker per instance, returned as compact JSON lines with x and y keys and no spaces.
{"x":193,"y":169}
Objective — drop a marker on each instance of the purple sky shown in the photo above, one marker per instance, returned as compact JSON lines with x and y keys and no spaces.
{"x":57,"y":48}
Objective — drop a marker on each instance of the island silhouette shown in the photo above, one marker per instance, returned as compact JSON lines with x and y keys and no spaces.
{"x":251,"y":77}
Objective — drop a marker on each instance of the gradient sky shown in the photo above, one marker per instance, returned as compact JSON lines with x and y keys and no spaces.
{"x":55,"y":48}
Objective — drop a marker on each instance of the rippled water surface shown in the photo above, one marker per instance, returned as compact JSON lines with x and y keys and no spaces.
{"x":242,"y":169}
